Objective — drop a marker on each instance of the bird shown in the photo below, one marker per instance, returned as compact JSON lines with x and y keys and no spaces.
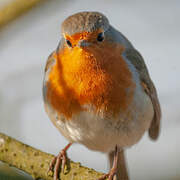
{"x":97,"y":91}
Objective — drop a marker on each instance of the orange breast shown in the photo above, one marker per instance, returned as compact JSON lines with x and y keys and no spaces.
{"x":97,"y":75}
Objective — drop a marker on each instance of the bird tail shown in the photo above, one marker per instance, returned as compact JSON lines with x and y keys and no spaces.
{"x":122,"y":173}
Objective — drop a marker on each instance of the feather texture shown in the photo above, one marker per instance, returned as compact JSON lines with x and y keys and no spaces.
{"x":136,"y":59}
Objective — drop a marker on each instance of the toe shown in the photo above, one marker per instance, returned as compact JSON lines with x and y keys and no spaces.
{"x":103,"y":177}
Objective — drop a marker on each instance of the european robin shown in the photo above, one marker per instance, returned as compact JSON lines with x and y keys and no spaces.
{"x":98,"y":92}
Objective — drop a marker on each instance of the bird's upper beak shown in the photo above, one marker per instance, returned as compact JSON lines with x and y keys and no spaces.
{"x":83,"y":43}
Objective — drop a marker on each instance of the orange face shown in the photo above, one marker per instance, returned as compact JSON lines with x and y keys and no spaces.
{"x":95,"y":75}
{"x":90,"y":37}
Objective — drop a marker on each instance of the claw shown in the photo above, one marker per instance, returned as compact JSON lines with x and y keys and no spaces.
{"x":113,"y":170}
{"x":64,"y":160}
{"x":52,"y":164}
{"x":59,"y":162}
{"x":110,"y":175}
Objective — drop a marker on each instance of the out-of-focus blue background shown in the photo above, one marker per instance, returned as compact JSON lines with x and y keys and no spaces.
{"x":154,"y":29}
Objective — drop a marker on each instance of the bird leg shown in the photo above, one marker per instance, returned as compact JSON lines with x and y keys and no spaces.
{"x":114,"y":168}
{"x":59,"y":161}
{"x":122,"y":172}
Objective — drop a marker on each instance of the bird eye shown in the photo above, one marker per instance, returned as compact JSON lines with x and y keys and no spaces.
{"x":68,"y":43}
{"x":100,"y":37}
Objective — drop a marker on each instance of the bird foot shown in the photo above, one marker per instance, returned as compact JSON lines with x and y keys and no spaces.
{"x":59,"y":162}
{"x":110,"y":175}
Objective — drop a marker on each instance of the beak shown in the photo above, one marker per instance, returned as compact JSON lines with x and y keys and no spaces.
{"x":83,"y":43}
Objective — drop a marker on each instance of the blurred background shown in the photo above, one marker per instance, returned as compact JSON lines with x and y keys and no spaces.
{"x":25,"y":43}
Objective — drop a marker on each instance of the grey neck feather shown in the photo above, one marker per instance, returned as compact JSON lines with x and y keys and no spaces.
{"x":115,"y":36}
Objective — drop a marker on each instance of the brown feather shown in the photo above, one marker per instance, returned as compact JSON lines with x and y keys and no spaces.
{"x":136,"y":59}
{"x":50,"y":61}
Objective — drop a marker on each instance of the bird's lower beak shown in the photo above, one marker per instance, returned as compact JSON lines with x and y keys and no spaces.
{"x":83,"y":43}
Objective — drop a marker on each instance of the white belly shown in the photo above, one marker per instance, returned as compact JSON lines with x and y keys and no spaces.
{"x":101,"y":133}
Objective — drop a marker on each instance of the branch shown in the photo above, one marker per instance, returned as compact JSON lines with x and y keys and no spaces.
{"x":36,"y":162}
{"x":15,"y":8}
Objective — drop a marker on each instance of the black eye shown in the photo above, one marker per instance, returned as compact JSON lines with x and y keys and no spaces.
{"x":68,"y":43}
{"x":100,"y":36}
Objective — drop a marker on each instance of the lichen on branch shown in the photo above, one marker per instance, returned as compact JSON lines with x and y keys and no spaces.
{"x":36,"y":162}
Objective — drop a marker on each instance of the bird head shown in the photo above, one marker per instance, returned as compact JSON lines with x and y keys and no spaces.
{"x":84,"y":29}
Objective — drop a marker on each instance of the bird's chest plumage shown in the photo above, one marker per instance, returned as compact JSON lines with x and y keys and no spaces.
{"x":93,"y":76}
{"x":101,"y":131}
{"x":92,"y":98}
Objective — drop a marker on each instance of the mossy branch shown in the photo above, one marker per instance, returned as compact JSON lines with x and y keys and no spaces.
{"x":36,"y":162}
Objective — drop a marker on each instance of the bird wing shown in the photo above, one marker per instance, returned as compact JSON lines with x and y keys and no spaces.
{"x":136,"y":59}
{"x":50,"y":61}
{"x":49,"y":64}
